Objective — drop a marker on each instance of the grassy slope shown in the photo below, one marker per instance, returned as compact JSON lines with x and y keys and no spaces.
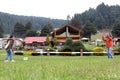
{"x":96,"y":36}
{"x":60,"y":68}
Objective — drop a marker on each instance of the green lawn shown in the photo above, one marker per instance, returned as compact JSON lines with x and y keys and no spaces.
{"x":60,"y":68}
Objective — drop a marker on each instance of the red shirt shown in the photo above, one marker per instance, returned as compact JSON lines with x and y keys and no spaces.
{"x":108,"y":41}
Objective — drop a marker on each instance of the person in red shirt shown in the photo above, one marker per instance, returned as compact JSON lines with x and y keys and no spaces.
{"x":107,"y":38}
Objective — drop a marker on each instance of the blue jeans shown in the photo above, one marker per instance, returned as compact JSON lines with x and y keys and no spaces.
{"x":9,"y":53}
{"x":109,"y":52}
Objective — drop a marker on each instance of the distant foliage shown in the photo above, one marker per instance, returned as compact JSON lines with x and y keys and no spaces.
{"x":19,"y":30}
{"x":1,"y":31}
{"x":116,"y":29}
{"x":46,"y":29}
{"x":28,"y":26}
{"x":102,"y":16}
{"x":89,"y":29}
{"x":9,"y":20}
{"x":30,"y":33}
{"x":76,"y":22}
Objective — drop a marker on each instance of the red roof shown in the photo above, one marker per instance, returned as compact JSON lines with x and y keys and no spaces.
{"x":29,"y":40}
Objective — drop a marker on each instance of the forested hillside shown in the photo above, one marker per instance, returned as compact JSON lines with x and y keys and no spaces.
{"x":8,"y":21}
{"x":103,"y":16}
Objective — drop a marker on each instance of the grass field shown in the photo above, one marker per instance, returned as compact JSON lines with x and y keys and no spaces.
{"x":60,"y":68}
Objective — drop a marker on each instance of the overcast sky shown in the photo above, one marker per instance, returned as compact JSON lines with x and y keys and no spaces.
{"x":57,"y":9}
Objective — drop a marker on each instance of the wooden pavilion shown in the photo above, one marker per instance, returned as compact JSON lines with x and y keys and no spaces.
{"x":67,"y":31}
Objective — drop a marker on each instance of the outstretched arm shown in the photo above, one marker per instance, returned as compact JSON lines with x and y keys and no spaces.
{"x":103,"y":35}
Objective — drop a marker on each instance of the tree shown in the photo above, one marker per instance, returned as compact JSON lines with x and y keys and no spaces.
{"x":46,"y":29}
{"x":1,"y":31}
{"x":47,"y":40}
{"x":69,"y":42}
{"x":116,"y":29}
{"x":68,"y":19}
{"x":30,"y":33}
{"x":104,"y":10}
{"x":99,"y":22}
{"x":75,"y":22}
{"x":55,"y":39}
{"x":28,"y":26}
{"x":89,"y":29}
{"x":19,"y":30}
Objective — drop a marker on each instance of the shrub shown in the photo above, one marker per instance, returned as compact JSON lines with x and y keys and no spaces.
{"x":78,"y":45}
{"x":117,"y":51}
{"x":50,"y":49}
{"x":69,"y":42}
{"x":73,"y":46}
{"x":66,"y":48}
{"x":98,"y":51}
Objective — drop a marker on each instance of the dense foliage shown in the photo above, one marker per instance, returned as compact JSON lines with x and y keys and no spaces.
{"x":1,"y":31}
{"x":19,"y":30}
{"x":116,"y":29}
{"x":46,"y":29}
{"x":9,"y":20}
{"x":72,"y":46}
{"x":101,"y":17}
{"x":89,"y":29}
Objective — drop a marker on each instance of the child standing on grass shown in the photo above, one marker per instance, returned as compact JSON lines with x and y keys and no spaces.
{"x":9,"y":49}
{"x":107,"y":38}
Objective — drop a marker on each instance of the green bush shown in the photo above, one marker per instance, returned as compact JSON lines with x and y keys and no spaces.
{"x":72,"y":46}
{"x":66,"y":48}
{"x":50,"y":49}
{"x":78,"y":45}
{"x":98,"y":51}
{"x":69,"y":42}
{"x":117,"y":51}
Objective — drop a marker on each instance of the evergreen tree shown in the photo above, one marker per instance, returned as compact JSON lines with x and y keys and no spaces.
{"x":47,"y":40}
{"x":46,"y":29}
{"x":89,"y":29}
{"x":30,"y":33}
{"x":1,"y":31}
{"x":76,"y":23}
{"x":28,"y":26}
{"x":55,"y":39}
{"x":19,"y":30}
{"x":116,"y":29}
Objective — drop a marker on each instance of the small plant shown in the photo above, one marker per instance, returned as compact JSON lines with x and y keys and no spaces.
{"x":98,"y":51}
{"x":50,"y":49}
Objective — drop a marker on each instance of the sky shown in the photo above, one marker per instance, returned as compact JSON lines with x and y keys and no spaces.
{"x":54,"y":9}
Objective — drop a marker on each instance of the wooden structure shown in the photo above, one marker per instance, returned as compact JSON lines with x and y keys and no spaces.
{"x":65,"y":32}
